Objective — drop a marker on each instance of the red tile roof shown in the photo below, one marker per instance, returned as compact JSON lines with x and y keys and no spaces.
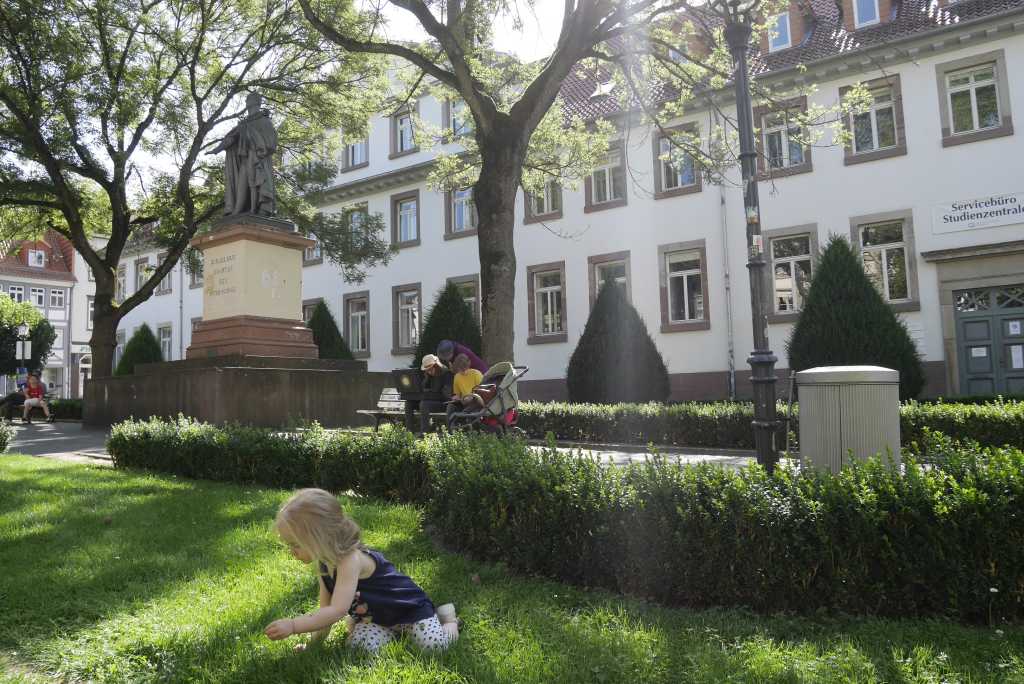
{"x":60,"y":258}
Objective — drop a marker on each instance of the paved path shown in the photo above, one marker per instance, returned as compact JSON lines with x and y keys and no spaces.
{"x":71,"y":441}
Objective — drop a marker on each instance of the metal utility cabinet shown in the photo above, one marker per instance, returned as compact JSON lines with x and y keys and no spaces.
{"x":848,"y":411}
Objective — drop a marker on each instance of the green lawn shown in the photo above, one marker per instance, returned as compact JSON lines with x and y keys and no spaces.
{"x":126,"y":577}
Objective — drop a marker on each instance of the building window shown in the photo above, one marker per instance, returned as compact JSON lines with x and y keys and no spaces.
{"x":36,"y":258}
{"x":460,"y":120}
{"x":16,"y":292}
{"x":608,"y":268}
{"x":195,"y":277}
{"x":791,"y":269}
{"x":782,"y":146}
{"x":313,"y":254}
{"x":120,"y":283}
{"x":462,"y":216}
{"x":38,"y":297}
{"x":164,"y":335}
{"x":164,"y":287}
{"x":141,"y":273}
{"x":606,"y":186}
{"x":677,"y":170}
{"x":469,"y":290}
{"x":58,"y":340}
{"x":778,"y":36}
{"x":405,"y":219}
{"x":90,"y":312}
{"x":355,"y":154}
{"x":545,"y":205}
{"x":685,"y":289}
{"x":403,"y":138}
{"x":119,"y":347}
{"x":196,"y":322}
{"x":357,"y":323}
{"x":406,"y":318}
{"x":545,"y":284}
{"x":307,"y":311}
{"x":884,"y":254}
{"x":974,"y":99}
{"x":875,"y":129}
{"x":57,"y":298}
{"x":865,"y":12}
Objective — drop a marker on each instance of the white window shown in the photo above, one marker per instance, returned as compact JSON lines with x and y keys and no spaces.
{"x":677,"y":169}
{"x":547,"y":202}
{"x":403,"y":132}
{"x":608,"y":182}
{"x":164,"y":286}
{"x":142,"y":271}
{"x":875,"y":129}
{"x":36,"y":258}
{"x":17,"y":293}
{"x":90,"y":311}
{"x":973,"y":99}
{"x":782,"y":145}
{"x":408,"y":319}
{"x":164,"y":334}
{"x":121,"y":284}
{"x":865,"y":12}
{"x":884,"y":253}
{"x":778,"y":33}
{"x":312,"y":253}
{"x":38,"y":297}
{"x":547,"y":290}
{"x":685,"y":290}
{"x":57,"y":298}
{"x":407,"y":228}
{"x":356,"y":153}
{"x":119,"y":347}
{"x":58,"y":339}
{"x":358,"y":325}
{"x":791,"y":266}
{"x":463,"y":211}
{"x":460,"y":120}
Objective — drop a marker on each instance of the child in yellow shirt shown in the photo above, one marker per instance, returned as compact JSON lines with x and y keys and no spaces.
{"x":466,"y":378}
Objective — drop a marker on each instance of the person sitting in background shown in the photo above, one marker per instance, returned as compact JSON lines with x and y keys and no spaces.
{"x":14,"y":400}
{"x":34,"y":396}
{"x":435,"y":389}
{"x":449,"y":349}
{"x":466,"y":380}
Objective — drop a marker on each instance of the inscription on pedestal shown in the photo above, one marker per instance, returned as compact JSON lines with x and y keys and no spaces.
{"x":220,"y":276}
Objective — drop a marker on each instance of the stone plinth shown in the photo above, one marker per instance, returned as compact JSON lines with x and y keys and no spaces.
{"x":252,"y":290}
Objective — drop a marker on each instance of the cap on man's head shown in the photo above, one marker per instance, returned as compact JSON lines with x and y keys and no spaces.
{"x":445,"y":349}
{"x":429,"y":361}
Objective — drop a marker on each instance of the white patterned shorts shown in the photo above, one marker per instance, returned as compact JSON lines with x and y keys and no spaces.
{"x":426,"y":634}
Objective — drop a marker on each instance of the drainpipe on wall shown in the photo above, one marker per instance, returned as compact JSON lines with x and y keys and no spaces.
{"x":181,"y":311}
{"x":724,"y":224}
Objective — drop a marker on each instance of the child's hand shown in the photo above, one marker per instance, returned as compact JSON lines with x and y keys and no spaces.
{"x":280,"y":629}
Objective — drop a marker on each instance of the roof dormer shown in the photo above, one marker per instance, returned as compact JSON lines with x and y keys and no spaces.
{"x":789,"y":28}
{"x":861,"y":14}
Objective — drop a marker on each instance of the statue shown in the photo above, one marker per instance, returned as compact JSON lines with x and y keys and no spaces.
{"x":248,"y":164}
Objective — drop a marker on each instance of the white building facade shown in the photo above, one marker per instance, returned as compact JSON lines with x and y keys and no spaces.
{"x":930,"y":192}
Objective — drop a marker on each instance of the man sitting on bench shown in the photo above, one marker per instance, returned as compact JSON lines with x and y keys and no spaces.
{"x":436,"y":389}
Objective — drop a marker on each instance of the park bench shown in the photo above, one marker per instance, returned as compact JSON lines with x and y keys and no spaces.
{"x":391,"y":408}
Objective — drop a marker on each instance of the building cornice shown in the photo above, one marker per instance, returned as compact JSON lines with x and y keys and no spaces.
{"x":975,"y":251}
{"x":381,"y":182}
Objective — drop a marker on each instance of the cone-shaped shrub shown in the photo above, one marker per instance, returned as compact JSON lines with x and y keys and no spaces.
{"x":616,"y":360}
{"x":143,"y":347}
{"x":846,"y":322}
{"x":450,"y":318}
{"x":325,"y":334}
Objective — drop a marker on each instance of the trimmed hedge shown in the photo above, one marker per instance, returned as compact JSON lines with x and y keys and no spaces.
{"x":727,"y":424}
{"x":932,"y":541}
{"x":66,"y":408}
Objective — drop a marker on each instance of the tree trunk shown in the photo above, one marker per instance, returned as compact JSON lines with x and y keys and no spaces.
{"x":104,"y":332}
{"x":495,"y":198}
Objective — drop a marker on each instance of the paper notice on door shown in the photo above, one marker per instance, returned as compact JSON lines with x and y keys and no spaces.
{"x":1014,"y":328}
{"x":1017,"y":356}
{"x":979,"y":352}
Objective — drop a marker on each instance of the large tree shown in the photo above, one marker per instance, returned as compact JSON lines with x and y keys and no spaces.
{"x":107,"y":108}
{"x":655,"y":56}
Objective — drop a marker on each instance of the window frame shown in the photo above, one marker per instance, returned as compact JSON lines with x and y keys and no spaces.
{"x":851,"y":156}
{"x":474,"y":280}
{"x":667,"y":325}
{"x":346,"y":158}
{"x":615,"y":148}
{"x":597,"y":261}
{"x":21,"y":292}
{"x":411,"y":112}
{"x":63,"y":298}
{"x":121,"y":282}
{"x":396,"y":348}
{"x":660,"y":190}
{"x":449,"y":216}
{"x":317,"y":254}
{"x":33,"y":252}
{"x":311,"y":305}
{"x":533,"y":336}
{"x":396,"y":201}
{"x":346,"y":301}
{"x":912,"y":302}
{"x":449,"y":110}
{"x":140,"y":274}
{"x":809,"y":230}
{"x":1003,"y":99}
{"x":90,"y":311}
{"x":760,"y":112}
{"x":170,"y":340}
{"x":789,"y":33}
{"x":552,"y":190}
{"x":858,"y":24}
{"x":164,"y":286}
{"x":41,"y":291}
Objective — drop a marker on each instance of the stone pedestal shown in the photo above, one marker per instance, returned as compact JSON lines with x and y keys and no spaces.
{"x":252,"y":291}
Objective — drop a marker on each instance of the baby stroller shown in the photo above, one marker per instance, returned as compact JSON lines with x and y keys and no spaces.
{"x":500,"y":396}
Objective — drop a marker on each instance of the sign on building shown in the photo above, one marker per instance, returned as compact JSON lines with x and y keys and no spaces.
{"x":984,"y":212}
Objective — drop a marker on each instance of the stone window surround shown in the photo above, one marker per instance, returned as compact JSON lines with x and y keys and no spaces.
{"x":395,"y":199}
{"x":611,"y":257}
{"x":474,"y":279}
{"x":528,"y":215}
{"x":138,"y":283}
{"x":346,"y":332}
{"x":446,"y":116}
{"x":160,"y":287}
{"x":396,"y":350}
{"x":313,"y":262}
{"x":763,"y":172}
{"x":687,"y":246}
{"x":809,"y":229}
{"x":450,"y":234}
{"x":168,"y":326}
{"x":616,"y":147}
{"x":659,"y":192}
{"x":413,"y":110}
{"x":309,"y":302}
{"x":344,"y":167}
{"x":907,"y":216}
{"x":1002,"y":90}
{"x":533,"y":337}
{"x":849,"y":156}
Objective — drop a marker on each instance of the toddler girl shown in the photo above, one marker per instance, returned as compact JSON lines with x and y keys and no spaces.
{"x":357,"y":584}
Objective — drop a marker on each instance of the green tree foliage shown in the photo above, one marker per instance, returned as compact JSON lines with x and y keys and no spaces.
{"x":41,"y":334}
{"x":845,"y":321}
{"x":326,"y":336}
{"x":616,"y":360}
{"x":449,"y":318}
{"x":143,"y":347}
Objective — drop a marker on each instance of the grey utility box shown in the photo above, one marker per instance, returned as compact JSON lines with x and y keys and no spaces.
{"x":846,"y":409}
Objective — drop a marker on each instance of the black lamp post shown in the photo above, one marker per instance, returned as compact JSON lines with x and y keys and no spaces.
{"x":738,"y":17}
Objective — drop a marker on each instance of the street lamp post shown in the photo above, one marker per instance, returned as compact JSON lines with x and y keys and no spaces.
{"x":737,"y":15}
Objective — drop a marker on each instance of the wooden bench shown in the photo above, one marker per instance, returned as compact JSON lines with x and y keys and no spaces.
{"x":391,"y":408}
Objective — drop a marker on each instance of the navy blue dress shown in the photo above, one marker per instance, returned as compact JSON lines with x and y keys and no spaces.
{"x":387,"y":597}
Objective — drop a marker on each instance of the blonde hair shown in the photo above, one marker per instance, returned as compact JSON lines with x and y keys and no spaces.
{"x":313,"y":519}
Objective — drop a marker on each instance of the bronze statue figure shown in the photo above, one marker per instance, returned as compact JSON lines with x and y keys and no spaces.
{"x":248,"y":164}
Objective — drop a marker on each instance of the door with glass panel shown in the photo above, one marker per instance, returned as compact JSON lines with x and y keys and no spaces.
{"x":990,"y":339}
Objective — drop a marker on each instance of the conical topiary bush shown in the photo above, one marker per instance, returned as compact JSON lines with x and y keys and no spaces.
{"x":846,"y":322}
{"x":615,"y":359}
{"x":143,"y":347}
{"x":325,"y":334}
{"x":449,"y":318}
